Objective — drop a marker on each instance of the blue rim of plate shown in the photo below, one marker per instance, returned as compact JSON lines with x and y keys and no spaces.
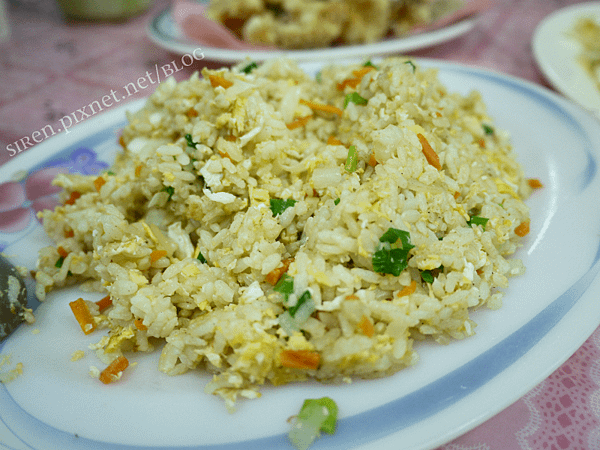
{"x":164,"y":32}
{"x":401,"y":413}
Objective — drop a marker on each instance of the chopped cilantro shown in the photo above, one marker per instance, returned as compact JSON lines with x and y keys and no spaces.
{"x":110,"y":172}
{"x":316,"y":415}
{"x":319,"y":77}
{"x":351,"y":160}
{"x":190,"y":141}
{"x":279,"y":205}
{"x":370,"y":64}
{"x":285,"y":285}
{"x":59,"y":262}
{"x":487,"y":129}
{"x":169,"y":190}
{"x":411,"y":64}
{"x":336,"y":201}
{"x":427,"y":276}
{"x":250,"y":67}
{"x":355,"y":98}
{"x":201,"y":258}
{"x":303,"y":299}
{"x":388,"y":259}
{"x":478,"y":220}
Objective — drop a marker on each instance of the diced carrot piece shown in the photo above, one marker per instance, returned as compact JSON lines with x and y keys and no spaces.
{"x":74,"y":196}
{"x":122,"y":141}
{"x":230,"y":138}
{"x":481,"y":143}
{"x":429,"y":152}
{"x":139,"y":324}
{"x":331,"y":140}
{"x":300,"y":359}
{"x":351,"y":297}
{"x":274,"y":275}
{"x":372,"y":161}
{"x":191,"y":113}
{"x":112,"y":371}
{"x":407,"y":290}
{"x":157,"y":254}
{"x":522,"y":229}
{"x":104,"y":303}
{"x":297,"y":123}
{"x":322,"y":107}
{"x":216,"y":81}
{"x":456,"y":195}
{"x":69,"y":233}
{"x":62,"y":252}
{"x":138,"y":170}
{"x":351,"y":82}
{"x":98,"y":183}
{"x":83,"y":315}
{"x":224,"y":155}
{"x":366,"y":326}
{"x":534,"y":183}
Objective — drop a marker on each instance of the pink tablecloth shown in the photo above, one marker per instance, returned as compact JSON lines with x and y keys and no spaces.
{"x":49,"y":69}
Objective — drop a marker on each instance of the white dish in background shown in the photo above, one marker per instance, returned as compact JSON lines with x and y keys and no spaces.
{"x":547,"y":314}
{"x":556,"y":54}
{"x":165,"y":32}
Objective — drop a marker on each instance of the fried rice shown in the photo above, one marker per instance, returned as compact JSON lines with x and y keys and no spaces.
{"x":268,"y":226}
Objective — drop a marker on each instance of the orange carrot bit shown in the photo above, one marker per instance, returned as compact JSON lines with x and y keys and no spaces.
{"x":456,"y":195}
{"x":113,"y":370}
{"x":299,"y":122}
{"x":332,"y":140}
{"x":225,"y":155}
{"x":274,"y":275}
{"x":62,"y":252}
{"x":138,"y":170}
{"x":139,"y":324}
{"x":322,"y":107}
{"x":156,"y":255}
{"x":69,"y":233}
{"x":351,"y":82}
{"x":300,"y":359}
{"x":74,"y":196}
{"x":362,"y":72}
{"x":99,"y":182}
{"x":230,"y":138}
{"x":122,"y":141}
{"x":481,"y":143}
{"x":82,"y":314}
{"x":534,"y":183}
{"x":366,"y":326}
{"x":430,"y":154}
{"x":104,"y":303}
{"x":192,"y":112}
{"x":407,"y":290}
{"x":217,"y":80}
{"x":523,"y":229}
{"x":372,"y":161}
{"x":352,"y":297}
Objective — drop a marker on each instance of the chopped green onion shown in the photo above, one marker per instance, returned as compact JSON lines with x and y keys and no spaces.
{"x":278,"y":205}
{"x":59,"y":262}
{"x":410,"y":63}
{"x":110,"y":172}
{"x":370,"y":64}
{"x":319,"y":77}
{"x":478,"y":220}
{"x":169,"y":190}
{"x":315,"y":415}
{"x":190,"y":141}
{"x":250,"y":67}
{"x":336,"y":201}
{"x":351,"y":160}
{"x":285,"y":285}
{"x":201,"y":258}
{"x":303,"y":298}
{"x":355,"y":98}
{"x":392,"y":260}
{"x":487,"y":129}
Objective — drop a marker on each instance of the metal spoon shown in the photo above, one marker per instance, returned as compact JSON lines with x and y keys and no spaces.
{"x":13,"y":298}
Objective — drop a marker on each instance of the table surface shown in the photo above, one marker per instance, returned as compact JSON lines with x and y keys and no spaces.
{"x":49,"y":68}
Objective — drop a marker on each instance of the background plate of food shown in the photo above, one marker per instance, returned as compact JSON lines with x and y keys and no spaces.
{"x":566,"y":48}
{"x":54,"y":395}
{"x":232,"y":31}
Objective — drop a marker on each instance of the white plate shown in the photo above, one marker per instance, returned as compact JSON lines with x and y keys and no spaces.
{"x":547,"y":314}
{"x":556,"y":54}
{"x":165,"y":32}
